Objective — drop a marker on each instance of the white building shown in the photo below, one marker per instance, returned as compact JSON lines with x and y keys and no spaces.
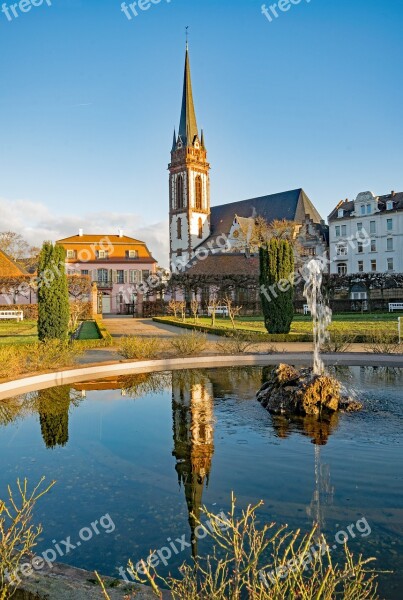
{"x":366,"y":235}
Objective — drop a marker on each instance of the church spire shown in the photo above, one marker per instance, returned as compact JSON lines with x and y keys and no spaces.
{"x":188,"y":124}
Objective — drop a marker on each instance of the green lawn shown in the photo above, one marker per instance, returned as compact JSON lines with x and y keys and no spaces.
{"x":23,"y":332}
{"x":350,"y":324}
{"x":89,"y":331}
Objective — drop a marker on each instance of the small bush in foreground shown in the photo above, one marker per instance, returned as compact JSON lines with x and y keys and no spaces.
{"x":338,"y":342}
{"x":237,"y":342}
{"x":132,"y":346}
{"x":188,"y":344}
{"x":266,"y":563}
{"x":18,"y":536}
{"x":52,"y":354}
{"x":12,"y":361}
{"x":381,"y":343}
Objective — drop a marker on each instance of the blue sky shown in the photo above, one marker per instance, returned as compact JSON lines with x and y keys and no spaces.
{"x":89,"y":101}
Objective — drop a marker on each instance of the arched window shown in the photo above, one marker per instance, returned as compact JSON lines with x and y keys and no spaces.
{"x":198,"y":193}
{"x":179,"y":228}
{"x":200,"y":226}
{"x":179,"y":192}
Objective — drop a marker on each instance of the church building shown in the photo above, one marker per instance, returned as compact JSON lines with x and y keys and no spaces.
{"x":215,"y":240}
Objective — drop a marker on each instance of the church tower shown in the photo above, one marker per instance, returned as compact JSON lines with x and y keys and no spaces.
{"x":189,"y":183}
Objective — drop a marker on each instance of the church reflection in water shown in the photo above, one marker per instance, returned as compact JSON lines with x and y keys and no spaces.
{"x":193,"y":431}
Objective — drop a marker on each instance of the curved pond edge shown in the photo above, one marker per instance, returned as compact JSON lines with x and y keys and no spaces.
{"x":118,"y":368}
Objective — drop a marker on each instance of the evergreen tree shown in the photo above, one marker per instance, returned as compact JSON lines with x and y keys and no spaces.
{"x":53,"y":295}
{"x":276,"y":269}
{"x":53,"y":406}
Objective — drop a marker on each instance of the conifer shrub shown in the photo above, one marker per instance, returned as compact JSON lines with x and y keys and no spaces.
{"x":277,"y":291}
{"x":53,"y":295}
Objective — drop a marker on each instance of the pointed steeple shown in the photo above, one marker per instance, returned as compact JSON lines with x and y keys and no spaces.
{"x":203,"y":145}
{"x":188,"y":124}
{"x":174,"y":141}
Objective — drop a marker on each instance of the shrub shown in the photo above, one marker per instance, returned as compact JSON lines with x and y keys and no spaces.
{"x":52,"y":354}
{"x":383,"y":343}
{"x":53,"y":295}
{"x":237,"y":342}
{"x":268,"y":562}
{"x":132,"y":346}
{"x":188,"y":344}
{"x":276,"y":269}
{"x":338,"y":342}
{"x":18,"y":536}
{"x":12,"y":360}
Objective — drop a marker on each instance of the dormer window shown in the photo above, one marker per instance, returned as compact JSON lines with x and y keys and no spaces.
{"x":132,"y":254}
{"x":341,"y":213}
{"x":369,"y":209}
{"x":71,"y":254}
{"x":102,"y":254}
{"x":389,"y":205}
{"x":363,"y":209}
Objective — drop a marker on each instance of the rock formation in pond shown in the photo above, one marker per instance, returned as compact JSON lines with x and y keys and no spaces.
{"x":303,"y":393}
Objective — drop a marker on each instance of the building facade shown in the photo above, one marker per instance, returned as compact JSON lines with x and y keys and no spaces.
{"x":117,"y":263}
{"x":366,"y":235}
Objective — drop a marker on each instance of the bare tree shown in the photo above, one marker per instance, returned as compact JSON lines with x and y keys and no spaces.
{"x":194,"y":307}
{"x":233,"y":310}
{"x":213,"y":302}
{"x":14,"y":245}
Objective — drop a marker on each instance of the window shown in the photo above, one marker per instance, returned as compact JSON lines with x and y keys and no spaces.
{"x":372,"y":227}
{"x":198,"y":193}
{"x":390,"y":264}
{"x":360,"y":247}
{"x":103,"y":276}
{"x":360,"y":266}
{"x":344,"y":230}
{"x":200,"y":228}
{"x":373,"y":265}
{"x":389,"y":244}
{"x":341,"y":250}
{"x":337,"y":230}
{"x":389,"y":224}
{"x":132,"y":254}
{"x":71,"y":254}
{"x":134,"y":276}
{"x":341,"y":212}
{"x":369,"y":209}
{"x":85,"y":272}
{"x":102,"y":254}
{"x":179,"y":252}
{"x":342,"y":269}
{"x":359,"y":296}
{"x":145,"y":275}
{"x":179,"y":228}
{"x":179,"y":192}
{"x":362,"y":209}
{"x":120,"y":276}
{"x":389,"y":205}
{"x":373,"y":245}
{"x":359,"y":226}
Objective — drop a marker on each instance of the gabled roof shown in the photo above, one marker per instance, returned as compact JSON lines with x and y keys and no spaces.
{"x":9,"y":268}
{"x":226,"y":265}
{"x":292,"y":206}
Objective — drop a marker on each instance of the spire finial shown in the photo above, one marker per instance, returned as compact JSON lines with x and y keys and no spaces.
{"x":187,"y":37}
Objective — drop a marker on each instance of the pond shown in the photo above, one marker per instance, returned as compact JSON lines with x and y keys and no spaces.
{"x":137,"y":454}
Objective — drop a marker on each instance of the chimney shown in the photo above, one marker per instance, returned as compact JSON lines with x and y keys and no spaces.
{"x":393,"y":193}
{"x":81,"y":232}
{"x":346,"y":200}
{"x":120,"y":233}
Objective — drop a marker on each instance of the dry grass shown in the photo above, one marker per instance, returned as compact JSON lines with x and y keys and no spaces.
{"x":237,"y":342}
{"x":381,"y":343}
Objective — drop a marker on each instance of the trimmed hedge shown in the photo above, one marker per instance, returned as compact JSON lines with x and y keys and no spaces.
{"x":226,"y":331}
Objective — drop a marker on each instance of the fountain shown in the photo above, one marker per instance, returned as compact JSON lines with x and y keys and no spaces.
{"x":309,"y":391}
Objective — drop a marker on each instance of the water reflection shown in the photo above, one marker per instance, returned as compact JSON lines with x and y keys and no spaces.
{"x":193,"y":432}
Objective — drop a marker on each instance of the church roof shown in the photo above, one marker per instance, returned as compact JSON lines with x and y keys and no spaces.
{"x":292,"y":206}
{"x":188,"y":123}
{"x":226,"y":265}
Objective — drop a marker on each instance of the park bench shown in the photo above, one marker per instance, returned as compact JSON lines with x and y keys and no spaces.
{"x":306,"y":309}
{"x":12,"y":314}
{"x":395,"y":306}
{"x":219,"y":310}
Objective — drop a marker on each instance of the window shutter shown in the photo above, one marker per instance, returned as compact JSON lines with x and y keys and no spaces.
{"x":111,"y":275}
{"x":125,"y":276}
{"x":94,"y":275}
